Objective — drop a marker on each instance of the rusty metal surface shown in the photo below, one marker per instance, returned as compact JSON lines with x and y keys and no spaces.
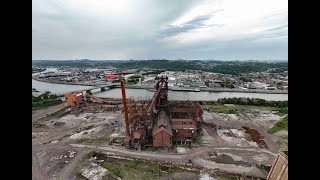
{"x":124,"y":100}
{"x":182,"y":109}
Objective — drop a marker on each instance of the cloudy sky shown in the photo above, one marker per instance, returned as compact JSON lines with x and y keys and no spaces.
{"x":156,"y":29}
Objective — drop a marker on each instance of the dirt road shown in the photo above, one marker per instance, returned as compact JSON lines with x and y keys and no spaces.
{"x":36,"y":172}
{"x":66,"y":171}
{"x":248,"y":154}
{"x":41,"y":113}
{"x":120,"y":151}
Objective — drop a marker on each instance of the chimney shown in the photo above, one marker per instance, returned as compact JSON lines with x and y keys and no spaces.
{"x":124,"y":100}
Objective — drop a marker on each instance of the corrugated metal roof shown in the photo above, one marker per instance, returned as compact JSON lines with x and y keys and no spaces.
{"x":162,"y":124}
{"x":162,"y":119}
{"x":185,"y":126}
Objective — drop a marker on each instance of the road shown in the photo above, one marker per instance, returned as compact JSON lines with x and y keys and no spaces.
{"x":248,"y":153}
{"x":66,"y":171}
{"x":112,"y":150}
{"x":36,"y":172}
{"x":253,"y":155}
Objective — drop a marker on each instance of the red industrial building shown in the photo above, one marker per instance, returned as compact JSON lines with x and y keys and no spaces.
{"x":162,"y":131}
{"x":184,"y":122}
{"x":73,"y":99}
{"x":111,"y":76}
{"x":159,"y":122}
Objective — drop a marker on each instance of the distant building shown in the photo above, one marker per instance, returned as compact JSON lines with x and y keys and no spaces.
{"x":111,"y":76}
{"x":256,"y":85}
{"x":270,"y":88}
{"x":284,"y":88}
{"x":184,"y":122}
{"x":214,"y":85}
{"x":171,"y":81}
{"x":132,"y":76}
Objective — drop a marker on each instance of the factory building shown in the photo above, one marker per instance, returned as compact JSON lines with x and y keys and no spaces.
{"x":73,"y":99}
{"x":158,"y":121}
{"x":162,"y":131}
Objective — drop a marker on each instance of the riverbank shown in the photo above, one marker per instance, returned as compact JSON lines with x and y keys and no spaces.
{"x":58,"y":88}
{"x":61,"y":82}
{"x":261,"y":91}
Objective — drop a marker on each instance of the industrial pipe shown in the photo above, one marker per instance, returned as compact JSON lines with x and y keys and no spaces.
{"x":155,"y":97}
{"x":124,"y":100}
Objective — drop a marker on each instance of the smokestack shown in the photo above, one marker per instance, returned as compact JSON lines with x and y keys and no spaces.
{"x":124,"y":100}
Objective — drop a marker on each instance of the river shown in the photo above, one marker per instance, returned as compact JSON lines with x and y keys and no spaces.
{"x":145,"y":94}
{"x":192,"y":96}
{"x":57,"y":88}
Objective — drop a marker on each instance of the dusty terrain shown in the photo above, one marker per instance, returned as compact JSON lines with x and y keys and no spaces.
{"x":61,"y":146}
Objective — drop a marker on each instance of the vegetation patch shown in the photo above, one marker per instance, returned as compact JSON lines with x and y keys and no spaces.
{"x":236,"y":109}
{"x":245,"y":79}
{"x":36,"y":70}
{"x":58,"y":114}
{"x":97,"y":140}
{"x":224,"y":67}
{"x":45,"y":100}
{"x":197,"y":140}
{"x":127,"y":169}
{"x":253,"y":101}
{"x":133,"y":81}
{"x":281,"y":111}
{"x":136,"y":169}
{"x":39,"y":125}
{"x":226,"y":84}
{"x":280,"y":125}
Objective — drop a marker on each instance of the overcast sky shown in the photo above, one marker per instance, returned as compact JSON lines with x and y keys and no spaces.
{"x":156,"y":29}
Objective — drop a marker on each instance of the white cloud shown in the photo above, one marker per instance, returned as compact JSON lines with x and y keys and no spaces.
{"x":232,"y":19}
{"x":194,"y":29}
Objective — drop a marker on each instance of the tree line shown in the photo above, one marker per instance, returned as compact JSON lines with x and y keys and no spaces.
{"x":253,"y":101}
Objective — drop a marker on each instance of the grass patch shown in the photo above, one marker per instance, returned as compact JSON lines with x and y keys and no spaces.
{"x":281,"y":125}
{"x":136,"y":169}
{"x":58,"y":114}
{"x":45,"y":103}
{"x":197,"y":140}
{"x":281,"y":111}
{"x":39,"y":125}
{"x":127,"y":169}
{"x":180,"y":170}
{"x":220,"y":108}
{"x":89,"y":140}
{"x":224,"y":109}
{"x":88,"y":155}
{"x":113,"y":169}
